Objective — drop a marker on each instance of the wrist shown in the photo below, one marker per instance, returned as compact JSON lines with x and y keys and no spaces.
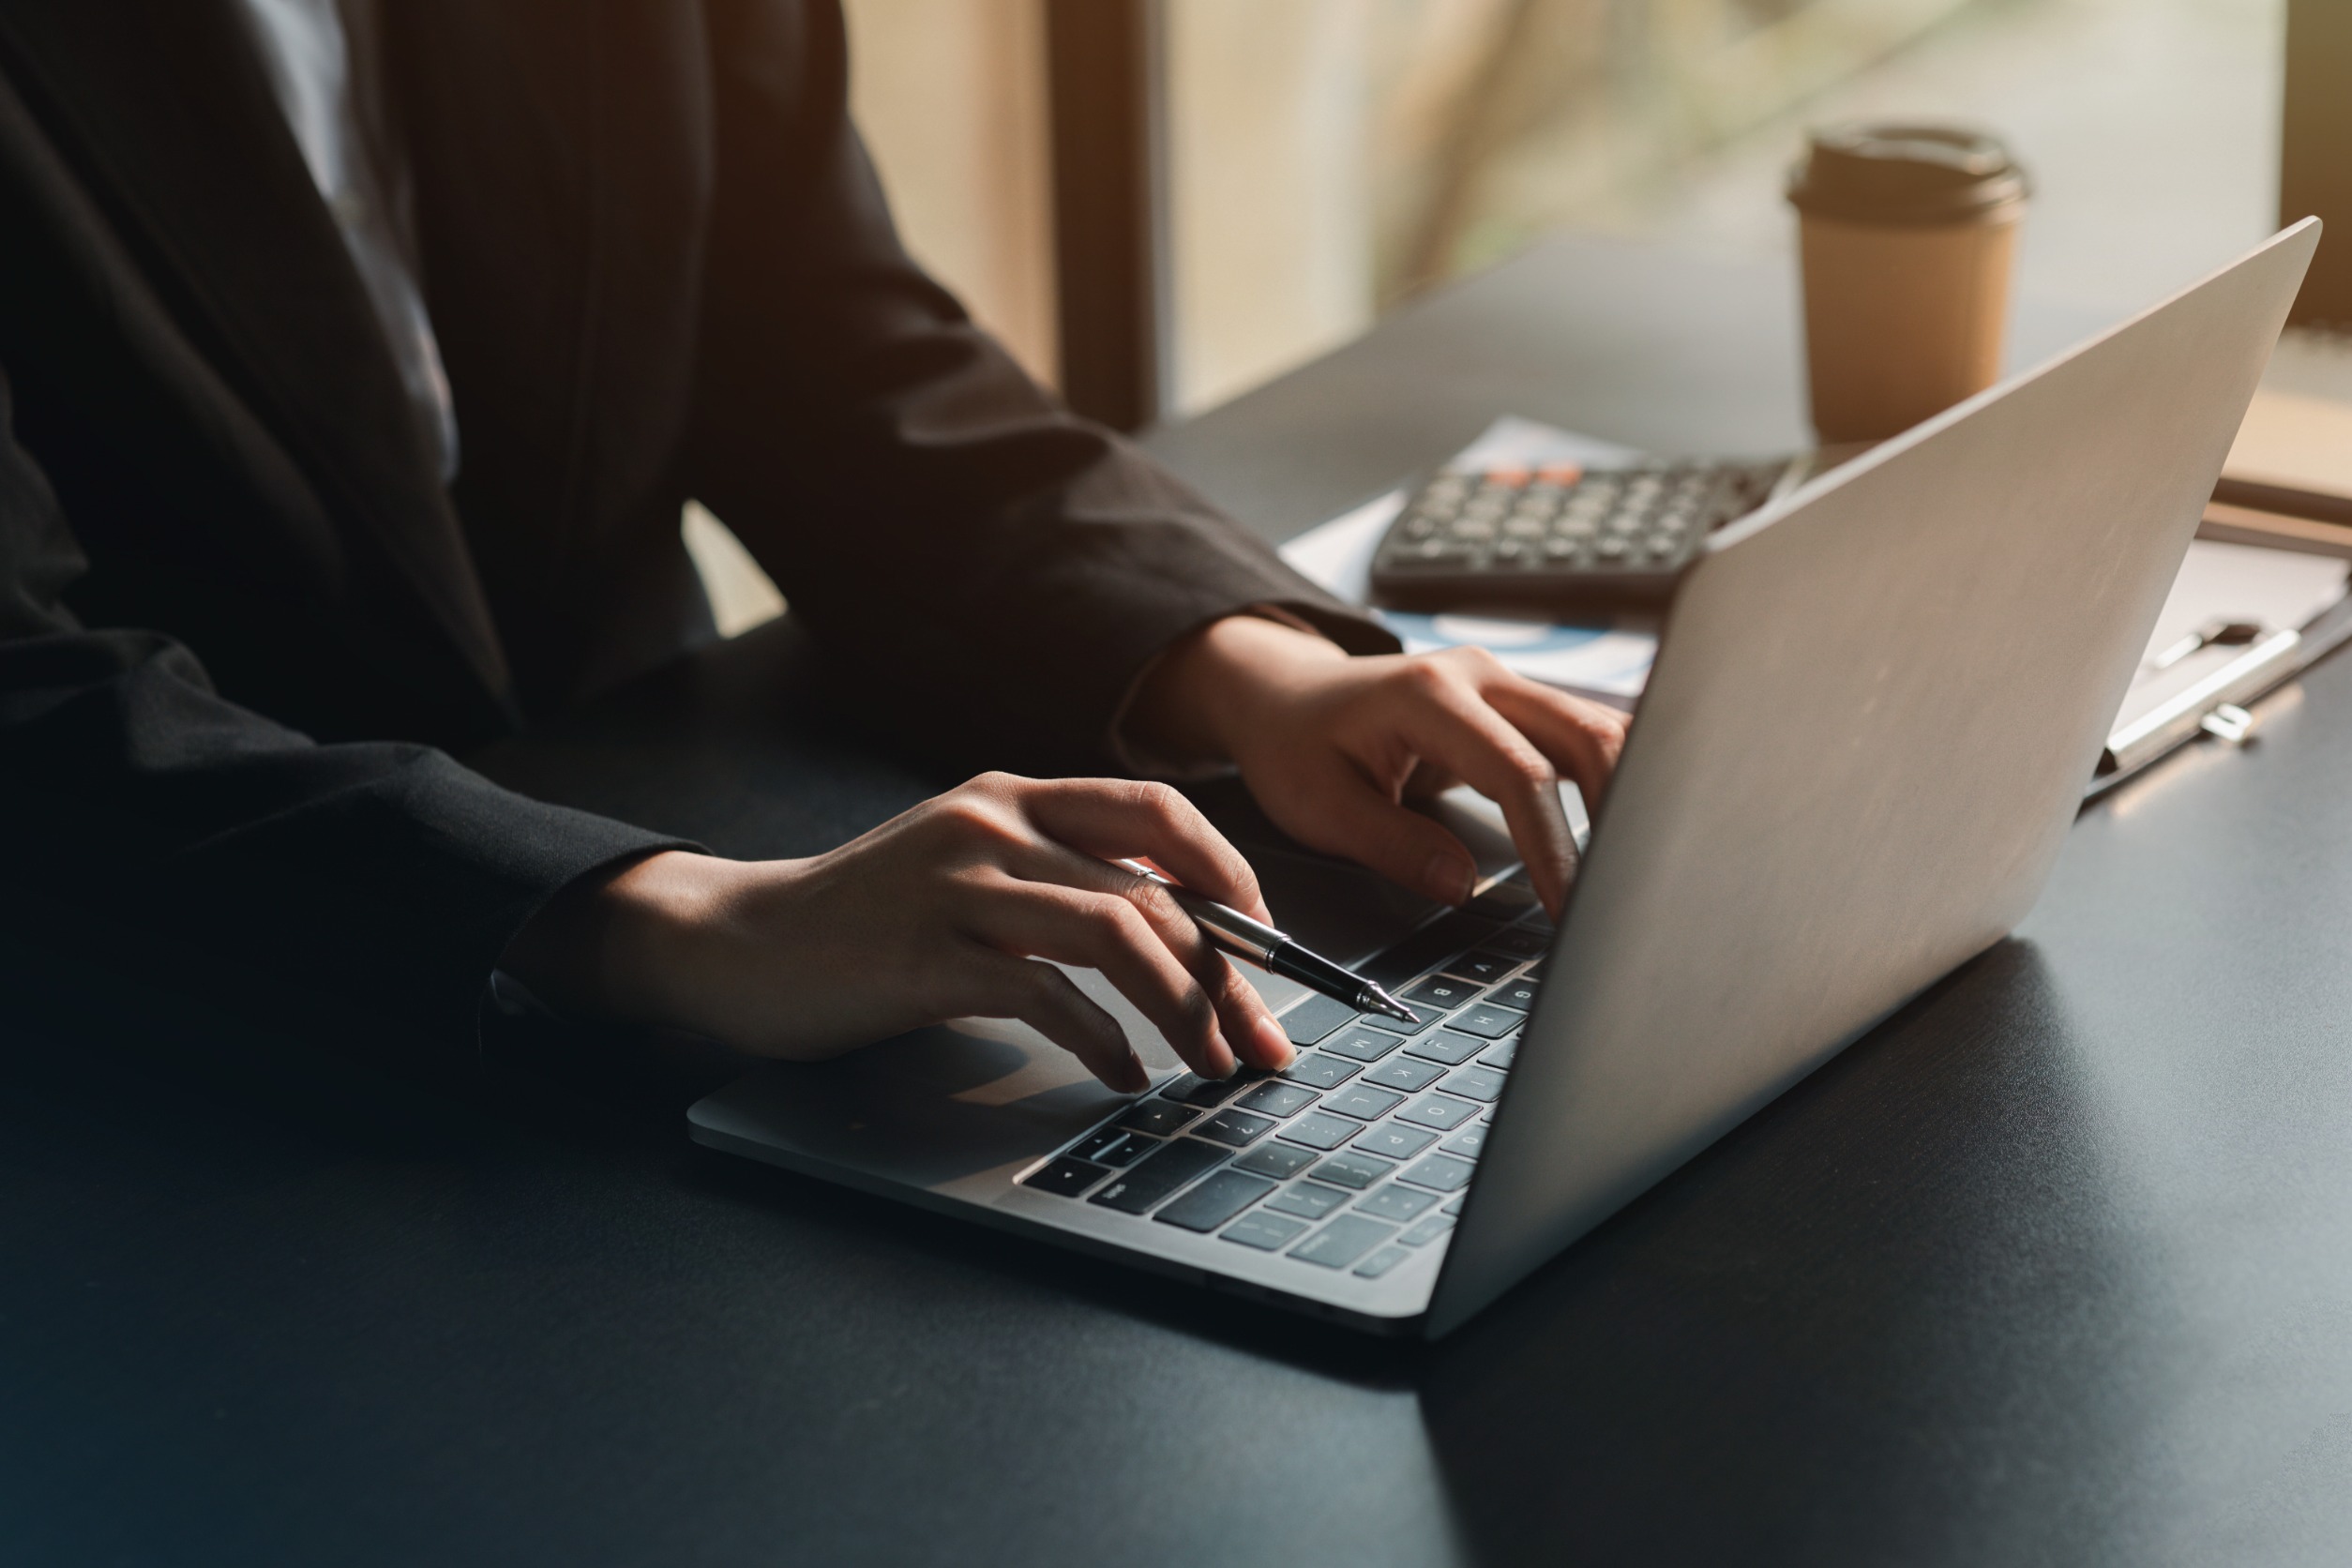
{"x":1211,"y":688}
{"x":619,"y":944}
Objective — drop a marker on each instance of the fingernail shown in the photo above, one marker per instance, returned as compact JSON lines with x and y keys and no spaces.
{"x":1273,"y":1046}
{"x":1450,"y":878}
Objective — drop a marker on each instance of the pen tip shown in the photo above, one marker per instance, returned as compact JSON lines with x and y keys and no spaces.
{"x":1390,"y":1005}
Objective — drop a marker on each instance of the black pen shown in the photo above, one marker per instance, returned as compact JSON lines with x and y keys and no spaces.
{"x":1231,"y":931}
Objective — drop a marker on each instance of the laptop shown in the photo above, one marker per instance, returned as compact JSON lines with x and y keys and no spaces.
{"x":1875,"y":704}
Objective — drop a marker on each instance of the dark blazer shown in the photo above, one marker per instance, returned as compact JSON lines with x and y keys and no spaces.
{"x":240,"y":616}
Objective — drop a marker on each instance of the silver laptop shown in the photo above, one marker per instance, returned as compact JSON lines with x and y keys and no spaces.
{"x":1873,"y":711}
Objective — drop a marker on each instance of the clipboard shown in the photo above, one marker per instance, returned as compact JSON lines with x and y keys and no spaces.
{"x":2254,"y":616}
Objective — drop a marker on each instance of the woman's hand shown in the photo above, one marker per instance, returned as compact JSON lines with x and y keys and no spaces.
{"x":942,"y":913}
{"x":1332,"y":745}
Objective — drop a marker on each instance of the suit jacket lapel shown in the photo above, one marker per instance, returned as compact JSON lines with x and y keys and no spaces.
{"x":175,"y":114}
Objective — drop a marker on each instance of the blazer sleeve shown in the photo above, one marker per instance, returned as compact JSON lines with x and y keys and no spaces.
{"x":130,"y":790}
{"x":999,"y":570}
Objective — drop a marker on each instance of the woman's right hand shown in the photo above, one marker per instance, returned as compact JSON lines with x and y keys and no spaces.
{"x":944,"y":911}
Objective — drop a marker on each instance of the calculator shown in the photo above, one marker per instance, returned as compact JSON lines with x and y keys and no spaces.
{"x":1562,"y":536}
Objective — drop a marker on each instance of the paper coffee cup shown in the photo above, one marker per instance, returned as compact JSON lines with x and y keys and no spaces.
{"x":1906,"y":234}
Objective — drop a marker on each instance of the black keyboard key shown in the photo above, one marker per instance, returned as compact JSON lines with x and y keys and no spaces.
{"x":1310,"y":1200}
{"x":1423,"y":1017}
{"x":1500,"y":1056}
{"x":1483,"y":1084}
{"x":1380,"y":1263}
{"x":1091,"y":1146}
{"x":1487,"y":1019}
{"x":1427,"y":1229}
{"x":1273,"y":1098}
{"x":1237,"y":1129}
{"x":1469,"y":1143}
{"x":1517,"y":993}
{"x":1280,"y":1161}
{"x":1215,"y":1200}
{"x":1485,"y":966}
{"x":1436,"y":1110}
{"x":1396,"y":1141}
{"x":1318,"y":1071}
{"x":1441,"y":992}
{"x":1350,"y":1169}
{"x":1440,"y":1174}
{"x":1315,"y":1018}
{"x":1522,"y":942}
{"x":1266,"y":1233}
{"x":1152,"y":1178}
{"x":1156,"y":1117}
{"x":1066,"y":1177}
{"x":1426,"y":949}
{"x":1406,"y":1074}
{"x":1319,"y":1131}
{"x":1362,"y":1044}
{"x":1390,"y":1202}
{"x":1363,"y":1102}
{"x":1342,"y":1242}
{"x":1536,"y":973}
{"x":1194,"y":1091}
{"x":1447,"y":1046}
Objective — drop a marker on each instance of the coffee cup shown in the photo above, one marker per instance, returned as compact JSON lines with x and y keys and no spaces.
{"x":1907,"y":235}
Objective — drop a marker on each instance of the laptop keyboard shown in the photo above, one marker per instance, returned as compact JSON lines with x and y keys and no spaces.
{"x":1361,"y":1150}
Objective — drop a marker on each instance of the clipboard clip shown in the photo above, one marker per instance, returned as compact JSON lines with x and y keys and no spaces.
{"x":2215,"y":705}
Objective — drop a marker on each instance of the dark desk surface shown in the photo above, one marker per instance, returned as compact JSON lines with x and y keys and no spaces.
{"x":2056,"y":1267}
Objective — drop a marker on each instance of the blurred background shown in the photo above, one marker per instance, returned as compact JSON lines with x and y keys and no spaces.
{"x":1320,"y":161}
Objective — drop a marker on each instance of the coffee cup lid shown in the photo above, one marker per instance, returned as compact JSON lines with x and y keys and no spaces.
{"x":1905,"y":173}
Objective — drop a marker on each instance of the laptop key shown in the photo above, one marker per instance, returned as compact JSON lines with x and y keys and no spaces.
{"x":1266,"y":1233}
{"x":1521,"y":941}
{"x":1427,"y":1229}
{"x":1364,"y":1101}
{"x":1441,"y":992}
{"x":1394,"y":1203}
{"x":1318,"y":1071}
{"x":1519,"y":993}
{"x":1091,"y":1147}
{"x":1469,"y":1143}
{"x":1319,"y":1131}
{"x":1455,"y":1207}
{"x":1158,"y":1174}
{"x":1156,"y":1117}
{"x":1275,"y":1098}
{"x":1424,"y":1015}
{"x":1436,"y":1110}
{"x":1483,"y":966}
{"x":1342,"y":1242}
{"x":1196,"y":1091}
{"x":1406,"y":1074}
{"x":1236,"y":1128}
{"x":1308,"y":1199}
{"x":1445,"y":1046}
{"x":1380,"y":1263}
{"x":1352,"y":1169}
{"x":1066,"y":1177}
{"x":1441,"y":1172}
{"x":1397,"y":1142}
{"x":1483,"y":1084}
{"x":1215,"y":1200}
{"x":1313,"y":1018}
{"x":1487,"y":1019}
{"x":1364,"y":1045}
{"x":1502,"y":1055}
{"x":1280,"y":1161}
